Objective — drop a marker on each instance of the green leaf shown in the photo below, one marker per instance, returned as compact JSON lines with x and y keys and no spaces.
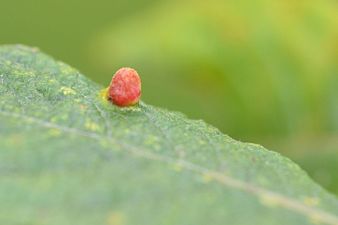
{"x":67,"y":156}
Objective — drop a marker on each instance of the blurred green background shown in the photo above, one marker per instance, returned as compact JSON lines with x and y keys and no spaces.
{"x":261,"y":71}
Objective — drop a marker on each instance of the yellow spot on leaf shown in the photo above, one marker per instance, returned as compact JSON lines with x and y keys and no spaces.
{"x":311,"y":201}
{"x":54,"y":132}
{"x":177,"y":167}
{"x":15,"y":140}
{"x":268,"y":200}
{"x":104,"y":143}
{"x":51,"y":81}
{"x":126,"y":131}
{"x":207,"y":178}
{"x":201,"y":142}
{"x":90,"y":125}
{"x":83,"y":107}
{"x":67,"y":91}
{"x":116,"y":218}
{"x":133,"y":108}
{"x":315,"y":219}
{"x":104,"y":94}
{"x":151,"y":140}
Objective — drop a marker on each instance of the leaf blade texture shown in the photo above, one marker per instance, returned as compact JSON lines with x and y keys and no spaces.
{"x":68,"y":156}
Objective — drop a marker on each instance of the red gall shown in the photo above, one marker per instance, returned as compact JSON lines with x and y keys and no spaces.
{"x":125,"y":87}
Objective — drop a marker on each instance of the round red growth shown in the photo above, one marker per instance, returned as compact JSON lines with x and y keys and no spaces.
{"x":125,"y":87}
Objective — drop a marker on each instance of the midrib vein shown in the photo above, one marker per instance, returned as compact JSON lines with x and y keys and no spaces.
{"x":276,"y":198}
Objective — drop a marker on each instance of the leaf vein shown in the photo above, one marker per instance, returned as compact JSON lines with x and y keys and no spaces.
{"x":225,"y":180}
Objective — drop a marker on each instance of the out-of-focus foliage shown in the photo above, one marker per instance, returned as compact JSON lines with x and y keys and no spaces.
{"x":262,"y":71}
{"x":250,"y":67}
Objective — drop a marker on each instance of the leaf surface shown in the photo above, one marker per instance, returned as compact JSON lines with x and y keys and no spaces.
{"x":67,"y":156}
